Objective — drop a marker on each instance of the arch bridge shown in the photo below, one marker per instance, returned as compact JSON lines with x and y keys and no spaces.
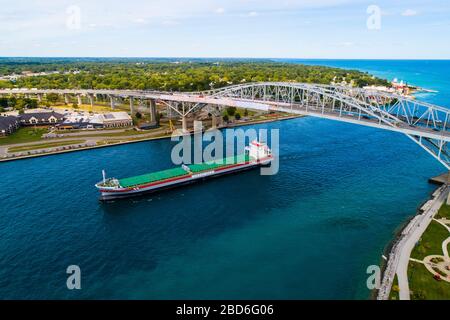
{"x":424,"y":123}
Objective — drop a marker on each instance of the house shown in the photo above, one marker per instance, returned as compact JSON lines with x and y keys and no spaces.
{"x":8,"y":125}
{"x":41,"y":118}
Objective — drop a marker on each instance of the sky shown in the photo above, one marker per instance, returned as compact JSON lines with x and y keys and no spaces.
{"x":310,"y":29}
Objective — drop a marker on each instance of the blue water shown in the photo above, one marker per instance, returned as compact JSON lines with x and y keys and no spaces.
{"x":429,"y":74}
{"x":308,"y":232}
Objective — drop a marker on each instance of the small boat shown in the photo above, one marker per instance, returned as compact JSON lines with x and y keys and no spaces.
{"x":257,"y":154}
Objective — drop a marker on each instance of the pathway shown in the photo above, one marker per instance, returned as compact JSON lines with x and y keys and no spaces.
{"x":414,"y":232}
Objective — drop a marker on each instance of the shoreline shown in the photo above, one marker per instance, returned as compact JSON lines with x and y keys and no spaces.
{"x":142,"y":140}
{"x":400,"y":247}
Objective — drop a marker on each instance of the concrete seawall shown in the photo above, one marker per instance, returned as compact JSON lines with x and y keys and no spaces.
{"x":399,"y":255}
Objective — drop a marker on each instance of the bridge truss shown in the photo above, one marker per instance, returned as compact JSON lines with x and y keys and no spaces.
{"x":425,"y":124}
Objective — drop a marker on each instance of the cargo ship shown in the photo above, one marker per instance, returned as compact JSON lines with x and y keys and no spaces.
{"x":256,"y":154}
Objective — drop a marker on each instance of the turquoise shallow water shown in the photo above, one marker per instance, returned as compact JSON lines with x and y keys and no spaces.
{"x":308,"y":232}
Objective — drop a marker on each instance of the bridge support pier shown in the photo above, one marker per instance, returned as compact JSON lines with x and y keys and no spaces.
{"x":153,"y":110}
{"x":448,"y":188}
{"x":184,"y":124}
{"x":39,"y":97}
{"x":80,"y":102}
{"x":113,"y":103}
{"x":131,"y":106}
{"x":66,"y":99}
{"x":91,"y":100}
{"x":214,"y":122}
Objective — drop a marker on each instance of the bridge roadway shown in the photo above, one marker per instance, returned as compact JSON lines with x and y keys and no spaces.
{"x":299,"y":109}
{"x":426,"y":124}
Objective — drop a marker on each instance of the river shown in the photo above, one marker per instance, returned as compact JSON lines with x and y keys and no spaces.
{"x":309,"y":232}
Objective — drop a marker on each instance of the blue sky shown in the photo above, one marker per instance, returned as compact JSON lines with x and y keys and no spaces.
{"x":331,"y":29}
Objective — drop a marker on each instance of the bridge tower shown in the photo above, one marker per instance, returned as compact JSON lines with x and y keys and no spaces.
{"x":184,"y":124}
{"x":113,"y":103}
{"x":448,"y":188}
{"x":153,"y":110}
{"x":91,"y":100}
{"x":131,"y":106}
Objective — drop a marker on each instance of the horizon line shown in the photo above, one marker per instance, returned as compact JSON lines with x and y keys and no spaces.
{"x":231,"y":58}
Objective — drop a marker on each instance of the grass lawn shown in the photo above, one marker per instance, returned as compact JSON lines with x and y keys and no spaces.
{"x":130,"y":132}
{"x":86,"y":107}
{"x":26,"y":134}
{"x":45,"y":145}
{"x":423,"y":286}
{"x":444,"y":212}
{"x":156,"y":135}
{"x":431,"y":241}
{"x":394,"y":294}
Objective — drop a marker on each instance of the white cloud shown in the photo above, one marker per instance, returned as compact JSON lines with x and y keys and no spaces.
{"x":252,"y":14}
{"x":346,"y":44}
{"x":409,"y":13}
{"x":140,"y":21}
{"x":170,"y":23}
{"x":220,"y":11}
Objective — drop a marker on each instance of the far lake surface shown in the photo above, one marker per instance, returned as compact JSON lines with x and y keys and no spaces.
{"x":309,"y":232}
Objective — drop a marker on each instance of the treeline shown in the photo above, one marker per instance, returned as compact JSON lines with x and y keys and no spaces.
{"x":19,"y":104}
{"x":174,"y":75}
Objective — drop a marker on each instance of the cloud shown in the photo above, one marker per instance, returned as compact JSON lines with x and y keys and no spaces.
{"x":252,"y":14}
{"x":170,"y":23}
{"x":220,"y":11}
{"x":140,"y":21}
{"x":409,"y":13}
{"x":346,"y":44}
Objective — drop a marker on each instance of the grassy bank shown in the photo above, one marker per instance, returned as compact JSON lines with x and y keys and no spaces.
{"x":444,"y":212}
{"x":125,"y":133}
{"x":395,"y":291}
{"x":45,"y":145}
{"x":431,"y":241}
{"x":24,"y":135}
{"x":423,"y":286}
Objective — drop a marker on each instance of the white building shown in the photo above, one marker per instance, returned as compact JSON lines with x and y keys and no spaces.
{"x":82,"y":120}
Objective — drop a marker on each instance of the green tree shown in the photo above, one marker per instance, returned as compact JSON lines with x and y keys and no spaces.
{"x":237,"y":116}
{"x":231,"y":111}
{"x":20,"y":104}
{"x":52,"y":98}
{"x":226,"y":118}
